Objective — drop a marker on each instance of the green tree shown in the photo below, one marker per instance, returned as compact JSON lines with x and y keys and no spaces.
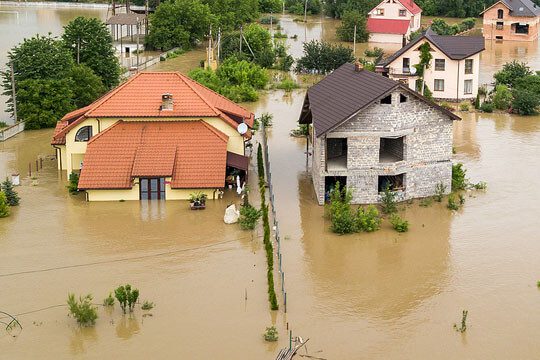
{"x":37,"y":58}
{"x":270,"y":6}
{"x":179,"y":23}
{"x":4,"y":206}
{"x":323,"y":57}
{"x":337,"y":8}
{"x":525,"y":102}
{"x":91,"y":44}
{"x":231,"y":14}
{"x":502,"y":99}
{"x":127,"y":297}
{"x":86,"y":87}
{"x":298,"y":7}
{"x":42,"y":102}
{"x":257,"y":40}
{"x":11,"y":195}
{"x":511,"y":72}
{"x":345,"y":31}
{"x":529,"y":82}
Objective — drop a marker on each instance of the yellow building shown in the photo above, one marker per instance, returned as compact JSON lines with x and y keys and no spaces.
{"x":159,"y":135}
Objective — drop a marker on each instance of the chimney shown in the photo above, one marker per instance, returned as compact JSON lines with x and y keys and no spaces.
{"x":358,"y":66}
{"x":167,"y":102}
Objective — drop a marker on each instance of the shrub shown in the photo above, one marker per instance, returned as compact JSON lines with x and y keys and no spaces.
{"x":425,"y":202}
{"x":147,"y":305}
{"x":323,"y":57}
{"x":368,"y":219}
{"x":487,"y":107}
{"x":388,"y":200}
{"x":459,"y":181}
{"x":502,"y":99}
{"x":288,"y":85}
{"x":343,"y":220}
{"x":463,"y":327}
{"x":482,"y":185}
{"x":440,"y":190}
{"x":127,"y":297}
{"x":248,"y":217}
{"x":447,"y":106}
{"x":399,"y":224}
{"x":11,"y":195}
{"x":266,"y":20}
{"x":280,"y":35}
{"x":453,"y":203}
{"x":464,"y":106}
{"x":4,"y":206}
{"x":3,"y":124}
{"x":511,"y":72}
{"x":82,"y":310}
{"x":271,"y":334}
{"x":109,"y":300}
{"x":525,"y":102}
{"x":377,"y":52}
{"x":73,"y":186}
{"x":477,"y":101}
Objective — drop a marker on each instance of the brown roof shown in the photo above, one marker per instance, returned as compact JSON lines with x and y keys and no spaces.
{"x":455,"y":47}
{"x":140,"y":97}
{"x":518,"y":8}
{"x":126,"y":19}
{"x":237,"y":161}
{"x":345,"y":92}
{"x":193,"y":153}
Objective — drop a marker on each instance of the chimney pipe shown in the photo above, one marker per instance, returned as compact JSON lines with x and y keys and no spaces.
{"x":167,"y":102}
{"x":358,"y":66}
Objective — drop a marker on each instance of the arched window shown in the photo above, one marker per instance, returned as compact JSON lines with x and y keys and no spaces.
{"x":500,"y":13}
{"x":84,"y":133}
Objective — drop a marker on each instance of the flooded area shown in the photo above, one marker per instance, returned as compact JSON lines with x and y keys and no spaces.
{"x":382,"y":295}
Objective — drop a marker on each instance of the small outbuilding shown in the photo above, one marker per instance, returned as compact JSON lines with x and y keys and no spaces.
{"x":370,"y":132}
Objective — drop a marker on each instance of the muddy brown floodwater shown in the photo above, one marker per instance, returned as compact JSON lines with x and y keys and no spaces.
{"x":373,"y":296}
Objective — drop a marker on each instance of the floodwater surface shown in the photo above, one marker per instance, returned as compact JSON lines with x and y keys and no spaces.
{"x":382,"y":295}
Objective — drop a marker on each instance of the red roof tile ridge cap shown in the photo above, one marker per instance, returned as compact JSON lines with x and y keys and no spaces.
{"x":101,"y":133}
{"x":76,"y":111}
{"x":219,"y":133}
{"x":188,"y":83}
{"x":227,"y":119}
{"x":68,"y":127}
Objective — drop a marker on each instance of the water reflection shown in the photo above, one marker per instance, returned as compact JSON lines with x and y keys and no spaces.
{"x":81,"y":338}
{"x":127,"y":326}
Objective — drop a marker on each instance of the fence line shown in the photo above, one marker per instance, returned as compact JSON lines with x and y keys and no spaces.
{"x":276,"y":232}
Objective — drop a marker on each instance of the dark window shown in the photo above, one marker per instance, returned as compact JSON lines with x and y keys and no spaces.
{"x":522,"y":29}
{"x":387,"y":99}
{"x":393,"y":182}
{"x":500,"y":14}
{"x":84,"y":133}
{"x":402,"y":98}
{"x":336,"y":153}
{"x":391,"y":149}
{"x":402,"y":12}
{"x":469,"y":66}
{"x":152,"y":188}
{"x":439,"y":85}
{"x":440,"y":64}
{"x":500,"y":25}
{"x":498,"y":37}
{"x":330,"y":183}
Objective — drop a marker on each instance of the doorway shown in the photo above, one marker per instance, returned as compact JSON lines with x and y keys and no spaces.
{"x":152,"y":188}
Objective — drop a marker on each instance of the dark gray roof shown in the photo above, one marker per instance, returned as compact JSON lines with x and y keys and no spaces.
{"x":524,"y":8}
{"x":455,"y":47}
{"x":344,"y":93}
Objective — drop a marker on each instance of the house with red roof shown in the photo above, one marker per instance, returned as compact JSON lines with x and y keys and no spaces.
{"x":159,"y":135}
{"x":392,"y":21}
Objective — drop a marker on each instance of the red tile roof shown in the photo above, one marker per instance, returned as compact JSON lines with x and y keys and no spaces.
{"x":411,"y":6}
{"x":193,"y":153}
{"x":388,"y":26}
{"x":140,"y":97}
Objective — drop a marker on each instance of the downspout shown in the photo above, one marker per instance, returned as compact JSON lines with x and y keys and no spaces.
{"x":98,"y":126}
{"x":457,"y":91}
{"x":59,"y":154}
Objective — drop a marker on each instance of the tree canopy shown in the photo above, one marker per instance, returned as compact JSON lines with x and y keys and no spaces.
{"x":323,"y":57}
{"x":511,"y":72}
{"x":231,"y":14}
{"x":350,"y":18}
{"x":86,"y":85}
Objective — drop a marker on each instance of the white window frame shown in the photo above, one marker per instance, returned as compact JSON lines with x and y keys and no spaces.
{"x":440,"y":81}
{"x":470,"y":90}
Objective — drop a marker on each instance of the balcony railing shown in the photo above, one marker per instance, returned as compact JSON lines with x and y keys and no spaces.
{"x":402,"y":71}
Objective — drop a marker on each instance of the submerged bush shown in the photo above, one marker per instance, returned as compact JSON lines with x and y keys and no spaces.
{"x":147,"y":305}
{"x":127,"y":297}
{"x":73,"y":186}
{"x":341,"y":215}
{"x":399,"y":224}
{"x":487,"y":107}
{"x":4,"y":206}
{"x":368,"y":219}
{"x":271,"y":334}
{"x":108,"y":301}
{"x":82,"y":310}
{"x":11,"y":195}
{"x":388,"y":200}
{"x":440,"y":190}
{"x":249,"y":216}
{"x":459,"y":181}
{"x":453,"y":203}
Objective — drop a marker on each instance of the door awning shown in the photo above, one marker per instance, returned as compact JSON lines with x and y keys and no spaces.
{"x":237,"y":161}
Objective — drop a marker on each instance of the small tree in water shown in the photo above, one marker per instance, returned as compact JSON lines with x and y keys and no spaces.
{"x":343,"y":220}
{"x":4,"y":206}
{"x":11,"y":195}
{"x":127,"y":297}
{"x":82,"y":310}
{"x":388,"y":200}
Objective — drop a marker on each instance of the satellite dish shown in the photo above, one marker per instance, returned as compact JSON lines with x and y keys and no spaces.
{"x":413,"y":70}
{"x":242,"y":128}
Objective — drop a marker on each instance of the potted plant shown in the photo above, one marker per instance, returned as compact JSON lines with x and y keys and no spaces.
{"x":197,"y":201}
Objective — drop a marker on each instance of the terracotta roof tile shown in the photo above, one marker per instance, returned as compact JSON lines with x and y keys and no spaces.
{"x":388,"y":26}
{"x":193,"y":152}
{"x":411,"y":6}
{"x":140,"y":97}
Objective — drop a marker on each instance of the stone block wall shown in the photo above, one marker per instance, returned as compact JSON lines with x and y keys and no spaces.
{"x":427,"y":150}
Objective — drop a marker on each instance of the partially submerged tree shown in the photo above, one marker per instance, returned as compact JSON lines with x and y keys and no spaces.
{"x":86,"y":85}
{"x":127,"y":297}
{"x":345,"y":31}
{"x":323,"y":57}
{"x":511,"y":72}
{"x":11,"y":195}
{"x":82,"y":309}
{"x":4,"y":206}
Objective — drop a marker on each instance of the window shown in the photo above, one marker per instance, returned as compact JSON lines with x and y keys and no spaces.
{"x":336,"y":153}
{"x":406,"y":65}
{"x":394,"y":183}
{"x":439,"y":85}
{"x":391,"y":149}
{"x":498,"y":37}
{"x":387,"y":99}
{"x":468,"y":66}
{"x":379,"y":12}
{"x":84,"y":134}
{"x":402,"y":12}
{"x":440,"y":64}
{"x":522,"y":29}
{"x":500,"y":25}
{"x":152,"y":188}
{"x":500,"y":14}
{"x":402,"y":98}
{"x":467,"y":89}
{"x":330,"y":183}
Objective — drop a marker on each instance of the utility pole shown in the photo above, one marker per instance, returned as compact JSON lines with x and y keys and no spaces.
{"x":305,"y":12}
{"x":354,"y":42}
{"x":241,"y":36}
{"x":218,"y":45}
{"x":78,"y":49}
{"x":138,"y":31}
{"x":13,"y":93}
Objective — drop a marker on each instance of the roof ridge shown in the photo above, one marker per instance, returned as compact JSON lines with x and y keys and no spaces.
{"x":108,"y":95}
{"x":183,"y":78}
{"x":100,"y":134}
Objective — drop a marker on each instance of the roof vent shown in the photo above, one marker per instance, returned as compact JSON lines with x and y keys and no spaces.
{"x":358,"y":66}
{"x":167,"y":102}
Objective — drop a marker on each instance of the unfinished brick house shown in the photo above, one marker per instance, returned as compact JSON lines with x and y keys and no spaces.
{"x":369,"y":132}
{"x":514,"y":20}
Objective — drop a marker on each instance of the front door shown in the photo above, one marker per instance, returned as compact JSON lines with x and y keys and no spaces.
{"x":152,"y":188}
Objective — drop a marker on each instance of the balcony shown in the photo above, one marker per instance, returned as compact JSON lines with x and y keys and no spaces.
{"x":402,"y":71}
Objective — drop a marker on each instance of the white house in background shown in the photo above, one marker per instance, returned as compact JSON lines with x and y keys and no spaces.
{"x":453,"y":71}
{"x":392,"y":21}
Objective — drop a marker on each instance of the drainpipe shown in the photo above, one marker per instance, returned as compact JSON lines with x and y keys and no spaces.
{"x":457,"y":91}
{"x":98,"y":126}
{"x":59,"y":154}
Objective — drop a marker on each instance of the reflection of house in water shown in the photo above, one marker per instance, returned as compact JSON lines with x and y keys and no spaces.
{"x":515,"y":20}
{"x":373,"y":275}
{"x":370,"y":132}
